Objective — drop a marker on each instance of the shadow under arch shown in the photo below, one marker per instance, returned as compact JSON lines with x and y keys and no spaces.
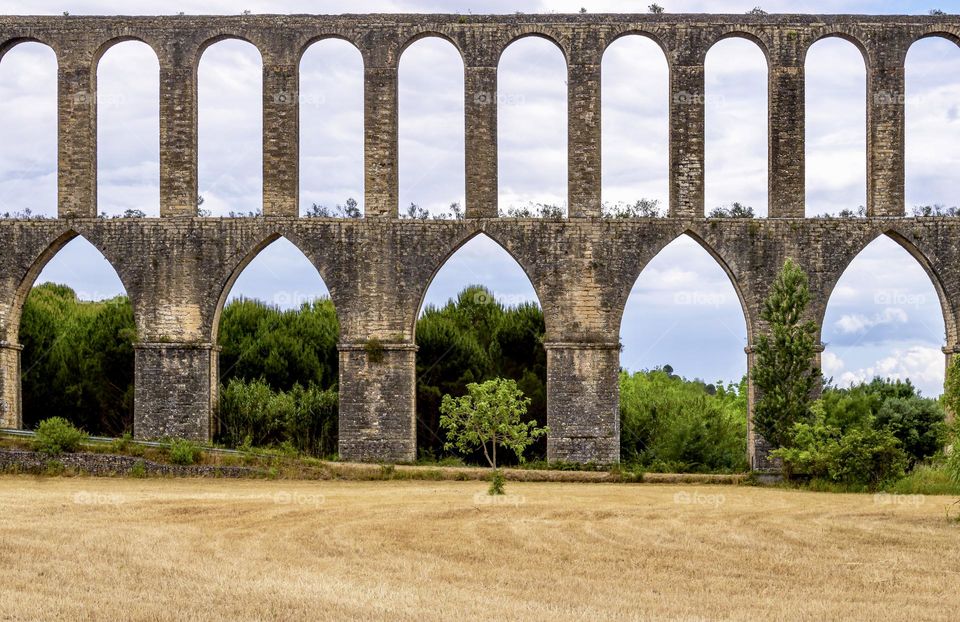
{"x":238,"y":267}
{"x":113,"y":42}
{"x":10,"y":44}
{"x":720,"y":262}
{"x":438,"y":267}
{"x":949,"y":319}
{"x":206,"y":44}
{"x":319,"y":39}
{"x":430,"y":34}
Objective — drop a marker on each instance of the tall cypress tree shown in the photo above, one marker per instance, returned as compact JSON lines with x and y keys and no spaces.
{"x":784,"y":374}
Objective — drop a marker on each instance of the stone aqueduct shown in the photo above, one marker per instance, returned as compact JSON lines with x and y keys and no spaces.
{"x":177,"y":269}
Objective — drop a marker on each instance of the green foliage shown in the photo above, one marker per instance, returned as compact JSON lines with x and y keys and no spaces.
{"x":668,"y":423}
{"x":856,"y":455}
{"x":784,"y":374}
{"x":184,"y":452}
{"x":139,"y":469}
{"x":77,"y":360}
{"x":917,"y":423}
{"x":56,"y":435}
{"x":497,"y":482}
{"x":283,"y":348}
{"x":735,"y":210}
{"x":472,"y":339}
{"x":254,"y":414}
{"x":488,"y":416}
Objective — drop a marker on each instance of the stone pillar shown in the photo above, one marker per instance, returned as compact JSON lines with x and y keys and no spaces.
{"x":786,"y":176}
{"x":77,"y":137}
{"x":380,"y":140}
{"x":583,"y":402}
{"x":885,"y":131}
{"x":178,"y":136}
{"x":686,"y":140}
{"x":378,"y":402}
{"x":583,"y":139}
{"x":281,"y":136}
{"x":175,"y":390}
{"x":11,"y":405}
{"x":950,"y":352}
{"x":480,"y":107}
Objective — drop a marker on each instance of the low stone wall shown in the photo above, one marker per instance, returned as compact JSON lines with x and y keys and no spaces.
{"x":15,"y":460}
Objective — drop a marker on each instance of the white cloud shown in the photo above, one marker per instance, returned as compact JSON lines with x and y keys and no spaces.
{"x":922,"y":365}
{"x":860,"y":323}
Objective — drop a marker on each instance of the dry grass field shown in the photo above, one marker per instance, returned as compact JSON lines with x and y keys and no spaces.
{"x":124,"y":549}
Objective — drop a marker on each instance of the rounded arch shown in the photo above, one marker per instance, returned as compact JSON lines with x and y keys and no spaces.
{"x":110,"y":43}
{"x":953,"y":37}
{"x":736,"y":124}
{"x":128,"y":128}
{"x":746,"y":35}
{"x":453,"y":250}
{"x":835,"y":126}
{"x":9,"y":44}
{"x":837,"y":34}
{"x":427,"y":34}
{"x":634,"y":121}
{"x":931,"y":97}
{"x":537,"y":33}
{"x":532,"y":117}
{"x":210,"y":41}
{"x":430,"y":131}
{"x":230,"y":109}
{"x":327,"y":37}
{"x":331,"y":124}
{"x":637,"y":32}
{"x":29,"y":118}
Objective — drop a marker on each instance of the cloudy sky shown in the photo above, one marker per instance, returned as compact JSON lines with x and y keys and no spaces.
{"x":883,"y":319}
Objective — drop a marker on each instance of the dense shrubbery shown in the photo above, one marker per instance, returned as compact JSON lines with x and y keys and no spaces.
{"x":184,"y":452}
{"x":254,"y":414}
{"x":672,"y":424}
{"x":56,"y":435}
{"x":77,"y":360}
{"x":868,"y":434}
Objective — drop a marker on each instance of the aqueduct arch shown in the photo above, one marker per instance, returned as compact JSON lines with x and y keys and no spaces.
{"x":376,"y":268}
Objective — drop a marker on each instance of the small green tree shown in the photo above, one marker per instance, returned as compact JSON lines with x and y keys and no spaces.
{"x":490,"y":414}
{"x":784,"y":374}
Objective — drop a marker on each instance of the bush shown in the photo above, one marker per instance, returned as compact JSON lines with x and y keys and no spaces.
{"x":254,"y":415}
{"x":57,"y":435}
{"x":184,"y":452}
{"x":861,"y":456}
{"x":917,"y":422}
{"x":668,"y":423}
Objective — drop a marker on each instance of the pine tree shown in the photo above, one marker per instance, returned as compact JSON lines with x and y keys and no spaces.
{"x":784,"y":374}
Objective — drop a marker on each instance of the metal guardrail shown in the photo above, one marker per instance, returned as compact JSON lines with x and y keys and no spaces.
{"x":107,"y":440}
